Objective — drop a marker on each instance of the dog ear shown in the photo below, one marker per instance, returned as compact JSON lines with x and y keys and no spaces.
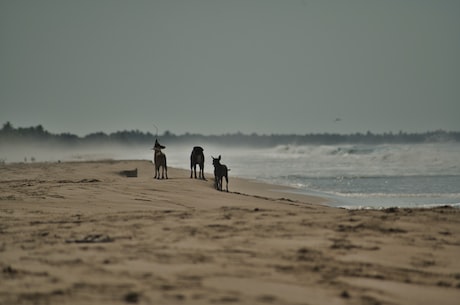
{"x":219,"y":158}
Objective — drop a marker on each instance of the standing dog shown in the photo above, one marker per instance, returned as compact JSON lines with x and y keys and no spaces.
{"x":197,"y":157}
{"x":160,"y":161}
{"x":220,"y":171}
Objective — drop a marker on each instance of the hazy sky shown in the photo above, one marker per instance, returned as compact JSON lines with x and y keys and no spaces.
{"x":218,"y":66}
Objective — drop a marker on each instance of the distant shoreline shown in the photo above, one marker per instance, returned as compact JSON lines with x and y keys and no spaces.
{"x":10,"y":135}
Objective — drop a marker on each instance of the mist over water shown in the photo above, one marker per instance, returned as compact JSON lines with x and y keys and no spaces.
{"x":352,"y":176}
{"x":45,"y":152}
{"x":411,"y":175}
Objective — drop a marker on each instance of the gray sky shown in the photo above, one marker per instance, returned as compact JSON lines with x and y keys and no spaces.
{"x":221,"y":66}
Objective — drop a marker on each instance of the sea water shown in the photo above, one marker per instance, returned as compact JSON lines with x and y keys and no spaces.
{"x":353,"y":176}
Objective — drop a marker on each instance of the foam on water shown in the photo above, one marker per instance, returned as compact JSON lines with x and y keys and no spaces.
{"x":410,"y":175}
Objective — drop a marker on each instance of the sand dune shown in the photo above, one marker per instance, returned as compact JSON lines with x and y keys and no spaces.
{"x":82,"y":233}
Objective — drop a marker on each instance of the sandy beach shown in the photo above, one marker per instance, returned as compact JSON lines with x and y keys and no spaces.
{"x":82,"y":233}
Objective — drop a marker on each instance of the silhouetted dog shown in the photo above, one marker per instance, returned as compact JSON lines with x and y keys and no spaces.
{"x":160,"y":161}
{"x":220,"y":171}
{"x":197,"y":157}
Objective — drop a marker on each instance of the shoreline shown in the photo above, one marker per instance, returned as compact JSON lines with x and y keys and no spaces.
{"x":243,"y":186}
{"x":273,"y":190}
{"x":80,"y":232}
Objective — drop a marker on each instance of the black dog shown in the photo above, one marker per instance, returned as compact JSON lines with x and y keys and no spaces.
{"x":220,"y":171}
{"x":197,"y":157}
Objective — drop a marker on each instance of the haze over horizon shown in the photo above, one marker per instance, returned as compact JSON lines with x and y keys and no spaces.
{"x":216,"y":67}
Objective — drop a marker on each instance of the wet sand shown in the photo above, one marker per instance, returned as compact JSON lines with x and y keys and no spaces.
{"x":82,"y":233}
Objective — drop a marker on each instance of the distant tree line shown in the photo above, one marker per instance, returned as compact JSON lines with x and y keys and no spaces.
{"x":10,"y":135}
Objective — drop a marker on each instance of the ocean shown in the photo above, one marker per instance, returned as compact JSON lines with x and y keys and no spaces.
{"x":351,"y":176}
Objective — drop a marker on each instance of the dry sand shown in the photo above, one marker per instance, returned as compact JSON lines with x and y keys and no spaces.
{"x":80,"y":233}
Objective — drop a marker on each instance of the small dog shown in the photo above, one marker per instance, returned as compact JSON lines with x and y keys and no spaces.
{"x":220,"y":171}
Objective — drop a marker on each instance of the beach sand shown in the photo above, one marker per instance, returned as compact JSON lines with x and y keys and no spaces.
{"x":81,"y":233}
